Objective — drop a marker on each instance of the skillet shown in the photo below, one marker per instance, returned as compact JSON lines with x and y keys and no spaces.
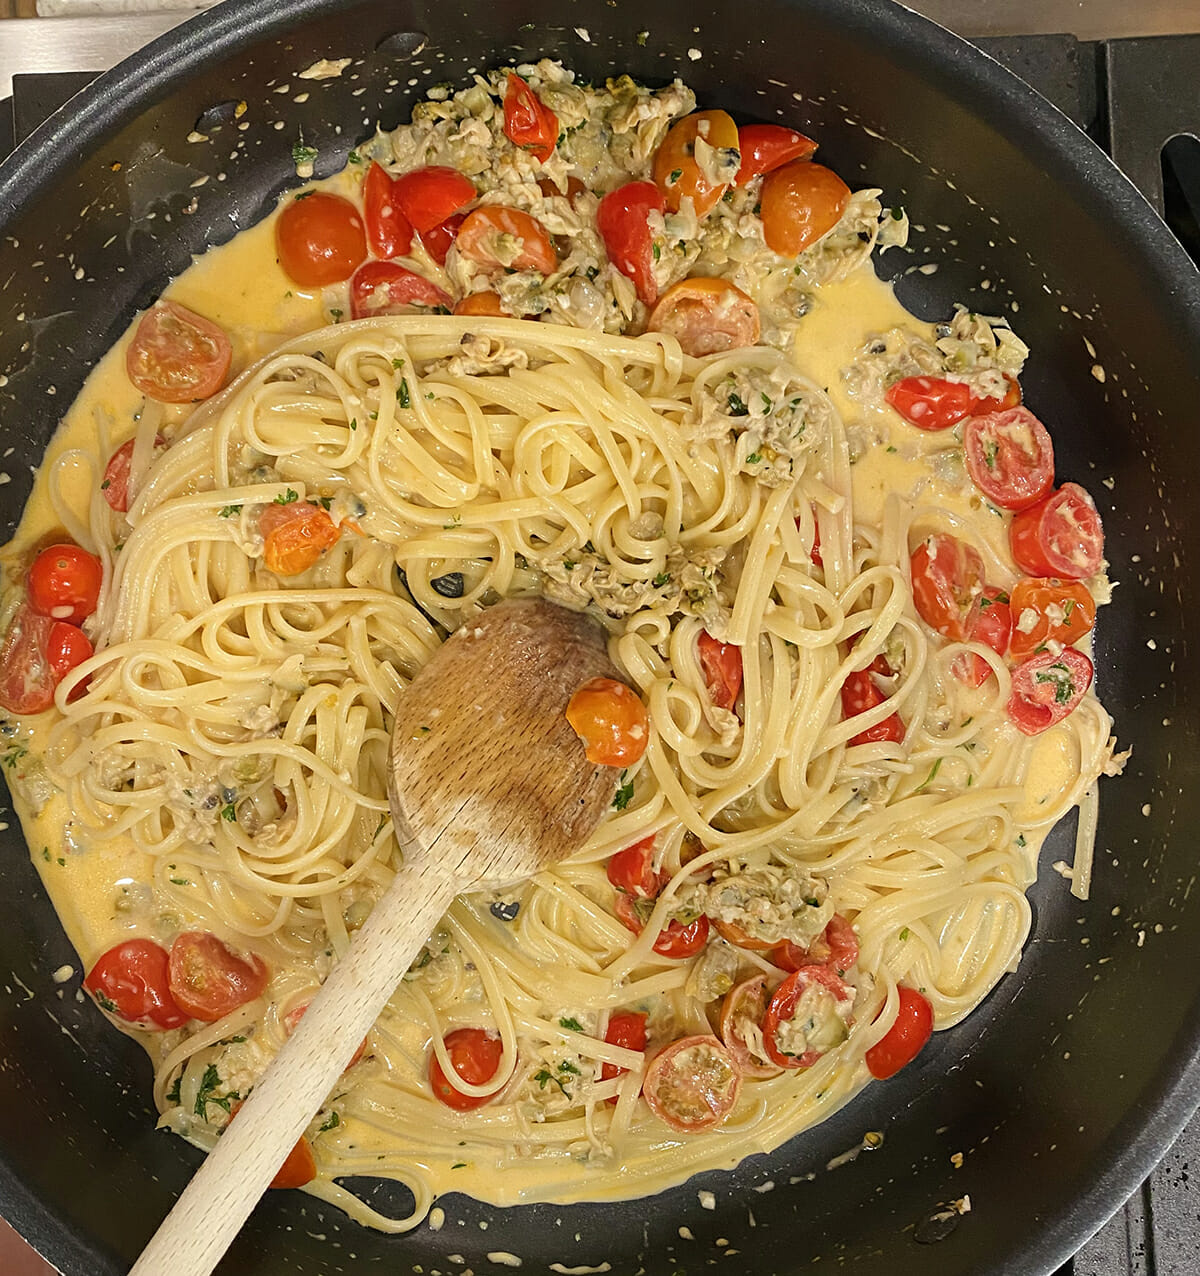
{"x":1064,"y":1088}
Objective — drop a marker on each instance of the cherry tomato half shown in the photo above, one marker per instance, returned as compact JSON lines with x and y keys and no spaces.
{"x":485,"y":303}
{"x":930,"y":403}
{"x":115,"y":483}
{"x":611,"y":721}
{"x":947,"y":577}
{"x":860,"y":693}
{"x":132,"y":982}
{"x":766,"y":147}
{"x":64,"y":583}
{"x":66,"y":647}
{"x":676,"y":171}
{"x":905,"y":1039}
{"x":528,"y":122}
{"x":209,"y":980}
{"x":388,"y":231}
{"x":1046,"y":688}
{"x":176,"y":355}
{"x":836,"y":947}
{"x":676,"y":939}
{"x":721,"y":663}
{"x":814,"y":994}
{"x":623,"y":222}
{"x":1059,"y":536}
{"x":438,"y":241}
{"x":706,"y":316}
{"x":320,"y":239}
{"x":989,"y":622}
{"x":475,"y":1055}
{"x":801,"y":202}
{"x":627,"y":1030}
{"x":384,"y":288}
{"x":630,"y":870}
{"x":295,"y":536}
{"x":428,"y":196}
{"x":1010,"y":457}
{"x":693,"y":1084}
{"x":744,"y":1007}
{"x":27,"y":681}
{"x":1046,"y":611}
{"x":486,"y":233}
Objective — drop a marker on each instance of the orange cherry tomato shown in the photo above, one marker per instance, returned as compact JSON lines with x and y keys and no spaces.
{"x":766,"y":147}
{"x":475,"y":1055}
{"x":479,"y":239}
{"x":208,"y":979}
{"x":295,"y":536}
{"x":528,"y":122}
{"x":627,"y":1030}
{"x":481,"y":303}
{"x":611,"y":721}
{"x":905,"y":1039}
{"x":801,"y":202}
{"x":676,"y":172}
{"x":388,"y":231}
{"x":706,"y":316}
{"x":622,"y":219}
{"x":132,"y":982}
{"x":64,"y":583}
{"x":320,"y":239}
{"x":744,"y":1005}
{"x":722,"y":666}
{"x":176,"y":355}
{"x":693,"y":1084}
{"x":947,"y":578}
{"x":428,"y":196}
{"x":386,"y":288}
{"x":1049,"y":610}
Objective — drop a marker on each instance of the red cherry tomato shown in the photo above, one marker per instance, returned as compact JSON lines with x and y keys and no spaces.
{"x":842,"y":942}
{"x":801,"y":202}
{"x":627,"y":1030}
{"x":947,"y":577}
{"x":64,"y":583}
{"x":905,"y":1039}
{"x":930,"y":403}
{"x":676,"y":171}
{"x":693,"y":1084}
{"x":132,"y":982}
{"x":66,"y":647}
{"x":295,"y":536}
{"x":27,"y":681}
{"x":293,"y":1017}
{"x":1049,"y":611}
{"x":320,"y":239}
{"x":528,"y":122}
{"x":115,"y":483}
{"x":388,"y":231}
{"x":209,"y":980}
{"x":384,"y":288}
{"x":176,"y":355}
{"x":611,"y":721}
{"x":475,"y":1055}
{"x":441,"y":237}
{"x":482,"y":233}
{"x":766,"y":147}
{"x":706,"y":316}
{"x":989,"y":622}
{"x":485,"y":303}
{"x":1059,"y":536}
{"x":721,"y":663}
{"x":630,"y":870}
{"x":820,"y":992}
{"x":744,"y":1006}
{"x":1046,"y":688}
{"x":428,"y":196}
{"x":622,"y":220}
{"x":1009,"y":457}
{"x":676,"y":939}
{"x":859,"y":693}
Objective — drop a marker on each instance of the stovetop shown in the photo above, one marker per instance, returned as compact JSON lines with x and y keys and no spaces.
{"x":1137,"y":96}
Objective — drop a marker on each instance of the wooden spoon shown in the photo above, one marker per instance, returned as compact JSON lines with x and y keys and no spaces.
{"x":489,"y":785}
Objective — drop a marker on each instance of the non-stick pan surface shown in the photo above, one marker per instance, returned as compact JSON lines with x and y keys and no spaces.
{"x":1063,"y":1089}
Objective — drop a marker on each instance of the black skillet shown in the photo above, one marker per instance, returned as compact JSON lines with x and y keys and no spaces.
{"x":1068,"y":1084}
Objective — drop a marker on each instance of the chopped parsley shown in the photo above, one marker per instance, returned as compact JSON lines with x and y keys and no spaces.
{"x":545,"y":1077}
{"x":106,"y":1003}
{"x":571,"y":1024}
{"x":354,"y":423}
{"x":228,"y":812}
{"x":624,"y":794}
{"x":229,"y":511}
{"x":656,"y":249}
{"x":735,"y":405}
{"x":904,"y":934}
{"x":207,"y":1093}
{"x":592,"y":272}
{"x":641,"y":37}
{"x":302,"y":154}
{"x":331,"y":1123}
{"x":929,"y":778}
{"x":676,"y":174}
{"x":1020,"y":839}
{"x":663,"y":578}
{"x":1068,"y":607}
{"x":14,"y":754}
{"x":754,"y":458}
{"x":173,"y":1093}
{"x":1059,"y":677}
{"x":402,"y":395}
{"x":354,"y":158}
{"x":991,"y":450}
{"x":287,"y":498}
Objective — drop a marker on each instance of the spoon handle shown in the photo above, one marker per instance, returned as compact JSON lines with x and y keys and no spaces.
{"x":222,"y":1193}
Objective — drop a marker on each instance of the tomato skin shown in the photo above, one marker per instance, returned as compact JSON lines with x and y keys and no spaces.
{"x":905,"y":1039}
{"x":1071,"y":598}
{"x":486,"y":304}
{"x":782,"y":1006}
{"x":1010,"y":457}
{"x":676,"y":172}
{"x":930,"y":403}
{"x":706,"y":316}
{"x":528,"y":122}
{"x":384,"y":288}
{"x":428,"y":196}
{"x":836,"y":947}
{"x":1046,"y":688}
{"x":115,"y":483}
{"x":746,"y":1000}
{"x":320,"y":240}
{"x":630,"y":870}
{"x":676,"y":939}
{"x":1059,"y":536}
{"x":627,"y":1030}
{"x":721,"y":663}
{"x":299,"y":1168}
{"x":64,"y":583}
{"x":66,"y":647}
{"x":801,"y":202}
{"x":766,"y":147}
{"x":947,"y":577}
{"x":438,"y":241}
{"x":859,"y":693}
{"x":475,"y":1055}
{"x":611,"y":721}
{"x":388,"y":231}
{"x":176,"y":355}
{"x":478,"y":234}
{"x":693,"y":1084}
{"x":295,"y":536}
{"x":622,"y":220}
{"x":26,"y":680}
{"x":133,"y":978}
{"x":989,"y":622}
{"x":208,"y":979}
